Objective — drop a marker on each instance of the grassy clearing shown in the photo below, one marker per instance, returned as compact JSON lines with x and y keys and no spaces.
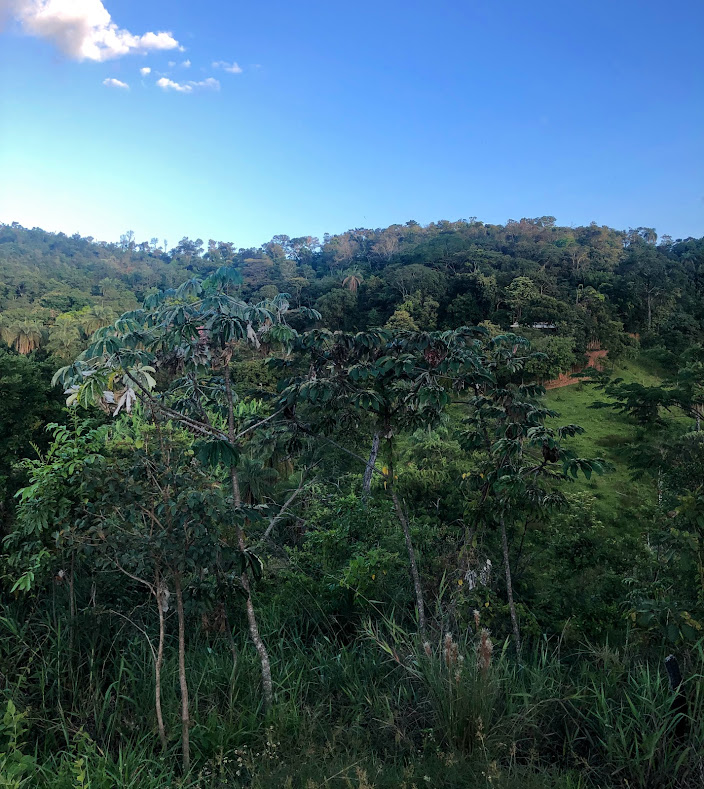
{"x":607,"y":434}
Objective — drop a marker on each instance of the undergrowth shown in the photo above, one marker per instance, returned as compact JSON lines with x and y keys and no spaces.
{"x":384,"y":710}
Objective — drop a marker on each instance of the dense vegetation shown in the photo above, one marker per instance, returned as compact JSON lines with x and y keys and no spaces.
{"x":594,"y":283}
{"x":310,"y":518}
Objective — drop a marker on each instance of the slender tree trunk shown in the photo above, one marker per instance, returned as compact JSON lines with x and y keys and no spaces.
{"x":369,"y":470}
{"x":158,"y":664}
{"x":650,"y":310}
{"x":71,"y":604}
{"x":228,"y":627}
{"x":233,"y":649}
{"x":185,"y":719}
{"x":415,"y":575}
{"x":659,"y":487}
{"x":72,"y":591}
{"x":403,"y":520}
{"x":230,"y":637}
{"x":509,"y":586}
{"x":259,"y":645}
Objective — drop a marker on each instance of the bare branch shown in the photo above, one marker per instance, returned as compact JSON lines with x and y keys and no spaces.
{"x":149,"y":586}
{"x":365,"y":461}
{"x":281,"y":512}
{"x":135,"y":625}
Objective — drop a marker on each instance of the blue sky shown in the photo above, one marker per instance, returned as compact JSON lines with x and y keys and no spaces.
{"x":350,"y":114}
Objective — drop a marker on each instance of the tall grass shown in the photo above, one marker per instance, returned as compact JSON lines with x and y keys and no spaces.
{"x":606,"y":713}
{"x":383,"y":710}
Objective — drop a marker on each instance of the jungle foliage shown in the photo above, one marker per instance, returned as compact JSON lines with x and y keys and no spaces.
{"x":304,"y":516}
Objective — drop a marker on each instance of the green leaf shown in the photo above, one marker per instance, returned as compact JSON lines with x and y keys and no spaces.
{"x":216,"y":452}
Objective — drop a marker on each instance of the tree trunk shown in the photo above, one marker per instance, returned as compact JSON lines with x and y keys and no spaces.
{"x":369,"y":470}
{"x":659,"y":486}
{"x":71,"y":605}
{"x":230,"y":637}
{"x":415,"y":575}
{"x":260,"y":647}
{"x":403,"y":520}
{"x":650,"y":310}
{"x":158,"y":664}
{"x":509,"y":587}
{"x":72,"y":591}
{"x":233,"y":650}
{"x":183,"y":682}
{"x":244,"y":578}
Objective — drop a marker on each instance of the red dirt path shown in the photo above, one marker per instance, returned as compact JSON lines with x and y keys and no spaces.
{"x":565,"y":379}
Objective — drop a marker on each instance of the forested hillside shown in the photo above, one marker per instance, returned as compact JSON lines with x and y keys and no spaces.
{"x":305,"y":515}
{"x":594,"y":283}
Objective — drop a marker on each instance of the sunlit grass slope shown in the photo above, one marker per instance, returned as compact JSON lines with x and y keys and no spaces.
{"x":607,"y":434}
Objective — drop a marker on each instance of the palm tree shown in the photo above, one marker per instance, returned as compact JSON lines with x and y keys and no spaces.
{"x":65,"y":337}
{"x":353,"y":280}
{"x":96,"y":318}
{"x":255,"y":479}
{"x":24,"y":336}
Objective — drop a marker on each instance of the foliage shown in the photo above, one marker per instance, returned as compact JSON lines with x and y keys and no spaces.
{"x":16,"y":767}
{"x":595,"y":283}
{"x":556,"y":356}
{"x":27,"y":404}
{"x":383,"y":514}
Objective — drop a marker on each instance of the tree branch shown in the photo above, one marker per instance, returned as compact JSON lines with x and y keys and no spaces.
{"x":281,"y":513}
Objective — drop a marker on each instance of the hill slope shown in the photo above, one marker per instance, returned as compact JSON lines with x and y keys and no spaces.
{"x":592,"y":284}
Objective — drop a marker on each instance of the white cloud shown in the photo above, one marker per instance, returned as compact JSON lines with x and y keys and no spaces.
{"x":144,"y":71}
{"x":168,"y":84}
{"x":115,"y":83}
{"x":188,"y":87}
{"x":83,"y":29}
{"x":186,"y":64}
{"x":210,"y":83}
{"x":231,"y":68}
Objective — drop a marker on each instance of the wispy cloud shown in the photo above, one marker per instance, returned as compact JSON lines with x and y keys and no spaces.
{"x":188,"y":87}
{"x":210,"y":83}
{"x":168,"y":84}
{"x":144,"y":71}
{"x":231,"y":68}
{"x":186,"y":64}
{"x":115,"y":83}
{"x":83,"y":29}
